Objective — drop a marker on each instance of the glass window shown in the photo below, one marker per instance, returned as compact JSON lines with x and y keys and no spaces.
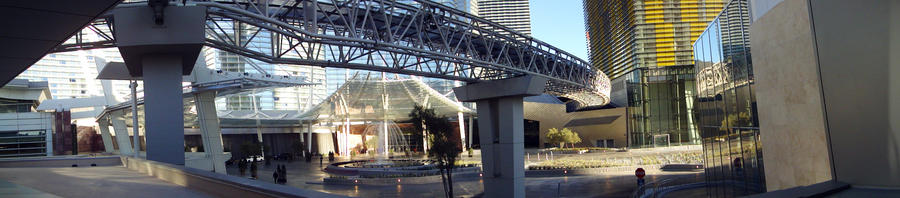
{"x":727,"y":106}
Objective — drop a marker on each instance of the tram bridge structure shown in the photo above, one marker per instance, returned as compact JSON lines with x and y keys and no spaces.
{"x":423,"y":38}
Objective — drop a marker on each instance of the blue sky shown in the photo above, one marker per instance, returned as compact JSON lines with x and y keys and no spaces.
{"x":560,"y":23}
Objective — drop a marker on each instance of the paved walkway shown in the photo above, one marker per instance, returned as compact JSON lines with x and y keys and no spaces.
{"x":614,"y":184}
{"x":8,"y":189}
{"x":87,"y":182}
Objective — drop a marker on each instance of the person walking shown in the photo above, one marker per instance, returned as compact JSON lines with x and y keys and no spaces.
{"x":283,"y":174}
{"x":275,"y":176}
{"x":253,"y":169}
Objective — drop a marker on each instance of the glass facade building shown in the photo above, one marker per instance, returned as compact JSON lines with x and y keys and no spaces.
{"x":610,"y":30}
{"x":726,"y":105}
{"x":660,"y":107}
{"x":628,"y":34}
{"x":648,"y":43}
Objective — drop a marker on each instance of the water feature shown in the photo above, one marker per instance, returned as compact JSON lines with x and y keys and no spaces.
{"x":388,"y":138}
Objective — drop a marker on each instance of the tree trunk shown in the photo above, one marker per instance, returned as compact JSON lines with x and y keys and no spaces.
{"x":450,"y":180}
{"x":444,"y":181}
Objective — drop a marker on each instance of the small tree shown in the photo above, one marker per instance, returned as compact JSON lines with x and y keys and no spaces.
{"x":418,"y":117}
{"x":445,"y":145}
{"x":570,"y":136}
{"x":555,"y":136}
{"x":298,"y":147}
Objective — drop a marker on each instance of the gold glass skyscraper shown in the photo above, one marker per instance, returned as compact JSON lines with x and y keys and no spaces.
{"x":645,"y":47}
{"x":628,"y":34}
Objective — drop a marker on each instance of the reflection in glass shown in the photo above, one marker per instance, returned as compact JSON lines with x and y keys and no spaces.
{"x":726,"y":105}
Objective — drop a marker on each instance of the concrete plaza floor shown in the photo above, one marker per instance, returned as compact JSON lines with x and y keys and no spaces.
{"x":87,"y":182}
{"x":612,"y":184}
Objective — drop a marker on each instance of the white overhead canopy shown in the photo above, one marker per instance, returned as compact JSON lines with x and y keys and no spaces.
{"x":376,"y":99}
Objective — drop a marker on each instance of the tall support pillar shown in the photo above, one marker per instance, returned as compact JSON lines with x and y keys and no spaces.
{"x":309,"y":136}
{"x":136,"y":140}
{"x":118,"y":122}
{"x":161,"y":45}
{"x":501,"y":129}
{"x":462,"y":129}
{"x":103,"y":124}
{"x":163,"y":108}
{"x":209,"y":129}
{"x":471,"y":130}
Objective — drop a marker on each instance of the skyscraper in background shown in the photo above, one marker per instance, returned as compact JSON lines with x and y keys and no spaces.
{"x":287,"y":98}
{"x":74,"y":74}
{"x":645,"y":46}
{"x":627,"y":34}
{"x":515,"y":14}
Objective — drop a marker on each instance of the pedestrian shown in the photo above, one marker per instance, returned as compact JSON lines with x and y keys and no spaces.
{"x":283,"y":178}
{"x":253,"y":169}
{"x":275,"y":176}
{"x":320,"y":159}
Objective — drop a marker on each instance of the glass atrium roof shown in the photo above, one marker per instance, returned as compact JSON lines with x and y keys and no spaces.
{"x":364,"y":99}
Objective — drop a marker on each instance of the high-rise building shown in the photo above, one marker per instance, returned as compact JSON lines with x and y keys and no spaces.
{"x":74,"y":74}
{"x":644,"y":46}
{"x":627,"y":34}
{"x":287,"y":98}
{"x":610,"y":35}
{"x":515,"y":14}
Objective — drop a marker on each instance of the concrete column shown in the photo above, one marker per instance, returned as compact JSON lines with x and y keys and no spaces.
{"x":309,"y":136}
{"x":501,"y":129}
{"x":118,"y":122}
{"x":209,"y":129}
{"x":462,"y":129}
{"x":471,"y":129}
{"x":163,"y":108}
{"x":103,"y":124}
{"x":161,"y":54}
{"x":136,"y":139}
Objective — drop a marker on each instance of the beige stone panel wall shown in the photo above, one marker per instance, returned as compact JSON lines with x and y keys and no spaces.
{"x":789,"y":98}
{"x":555,"y":116}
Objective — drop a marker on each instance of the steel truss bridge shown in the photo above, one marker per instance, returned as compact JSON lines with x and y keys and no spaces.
{"x":422,"y":38}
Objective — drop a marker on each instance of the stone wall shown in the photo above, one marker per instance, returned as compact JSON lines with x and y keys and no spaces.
{"x":789,"y":98}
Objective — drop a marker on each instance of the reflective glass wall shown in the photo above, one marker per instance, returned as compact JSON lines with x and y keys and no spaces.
{"x":726,"y":105}
{"x":660,"y":106}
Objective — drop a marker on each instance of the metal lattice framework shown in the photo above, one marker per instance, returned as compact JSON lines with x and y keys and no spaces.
{"x":422,"y":38}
